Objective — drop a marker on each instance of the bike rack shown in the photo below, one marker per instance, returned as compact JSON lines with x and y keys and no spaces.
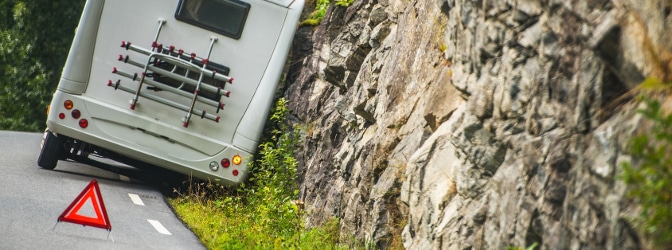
{"x":160,"y":55}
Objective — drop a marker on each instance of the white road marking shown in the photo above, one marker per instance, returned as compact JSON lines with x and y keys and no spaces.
{"x":136,"y":199}
{"x":157,"y":225}
{"x":124,"y":178}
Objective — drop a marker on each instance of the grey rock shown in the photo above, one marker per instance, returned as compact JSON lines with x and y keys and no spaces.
{"x":475,"y":124}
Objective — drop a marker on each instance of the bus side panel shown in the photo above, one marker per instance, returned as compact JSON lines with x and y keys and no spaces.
{"x":251,"y":126}
{"x":77,"y":68}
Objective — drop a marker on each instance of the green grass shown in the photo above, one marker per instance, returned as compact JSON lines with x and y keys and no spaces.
{"x":262,"y":213}
{"x":231,"y":229}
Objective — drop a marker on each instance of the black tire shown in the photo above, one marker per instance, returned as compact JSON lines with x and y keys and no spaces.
{"x":52,"y":149}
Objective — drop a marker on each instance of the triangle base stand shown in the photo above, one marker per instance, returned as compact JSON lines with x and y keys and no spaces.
{"x":109,"y":232}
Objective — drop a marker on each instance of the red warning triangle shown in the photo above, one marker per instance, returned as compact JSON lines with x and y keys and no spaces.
{"x":90,"y":194}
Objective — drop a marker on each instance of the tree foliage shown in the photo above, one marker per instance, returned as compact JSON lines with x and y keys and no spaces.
{"x":35,"y":37}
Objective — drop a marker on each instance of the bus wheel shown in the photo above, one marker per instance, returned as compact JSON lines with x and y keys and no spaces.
{"x":52,"y":148}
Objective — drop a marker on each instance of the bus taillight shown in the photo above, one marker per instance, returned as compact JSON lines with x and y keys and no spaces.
{"x":237,"y":159}
{"x":226,"y":163}
{"x":68,"y":104}
{"x":76,"y":114}
{"x":83,"y":123}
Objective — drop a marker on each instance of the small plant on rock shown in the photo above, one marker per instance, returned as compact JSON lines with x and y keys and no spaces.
{"x":317,"y":15}
{"x":344,"y":3}
{"x":650,"y":180}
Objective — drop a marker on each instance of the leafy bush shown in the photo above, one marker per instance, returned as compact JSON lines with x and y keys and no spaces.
{"x":273,"y":186}
{"x":650,"y":180}
{"x":262,"y":213}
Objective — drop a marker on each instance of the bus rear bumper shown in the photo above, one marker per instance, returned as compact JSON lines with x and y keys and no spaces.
{"x":141,"y":144}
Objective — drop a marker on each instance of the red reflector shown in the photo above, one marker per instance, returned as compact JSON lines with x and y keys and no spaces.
{"x":61,"y":115}
{"x":226,"y":163}
{"x":83,"y":123}
{"x":235,"y":172}
{"x":76,"y":114}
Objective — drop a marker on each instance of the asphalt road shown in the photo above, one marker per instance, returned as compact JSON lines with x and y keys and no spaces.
{"x":31,"y":200}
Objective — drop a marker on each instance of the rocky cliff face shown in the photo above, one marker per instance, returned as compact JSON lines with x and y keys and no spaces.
{"x":475,"y":124}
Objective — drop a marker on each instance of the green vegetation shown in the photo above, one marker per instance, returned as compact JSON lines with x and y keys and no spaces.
{"x":263,"y":213}
{"x":531,"y":247}
{"x":650,"y":180}
{"x":344,"y":3}
{"x":317,"y":15}
{"x":35,"y":37}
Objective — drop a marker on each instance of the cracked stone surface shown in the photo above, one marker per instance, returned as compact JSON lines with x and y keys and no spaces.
{"x":474,"y":124}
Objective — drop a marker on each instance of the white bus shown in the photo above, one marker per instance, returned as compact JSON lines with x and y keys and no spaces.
{"x":184,"y":85}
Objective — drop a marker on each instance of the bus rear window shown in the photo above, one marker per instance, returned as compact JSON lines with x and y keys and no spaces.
{"x":226,"y":17}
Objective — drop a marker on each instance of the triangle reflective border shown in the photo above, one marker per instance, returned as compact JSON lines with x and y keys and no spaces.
{"x":90,"y":193}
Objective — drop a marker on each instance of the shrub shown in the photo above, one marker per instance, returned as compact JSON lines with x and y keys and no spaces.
{"x":318,"y":14}
{"x":650,"y":180}
{"x":272,"y":187}
{"x":262,"y":213}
